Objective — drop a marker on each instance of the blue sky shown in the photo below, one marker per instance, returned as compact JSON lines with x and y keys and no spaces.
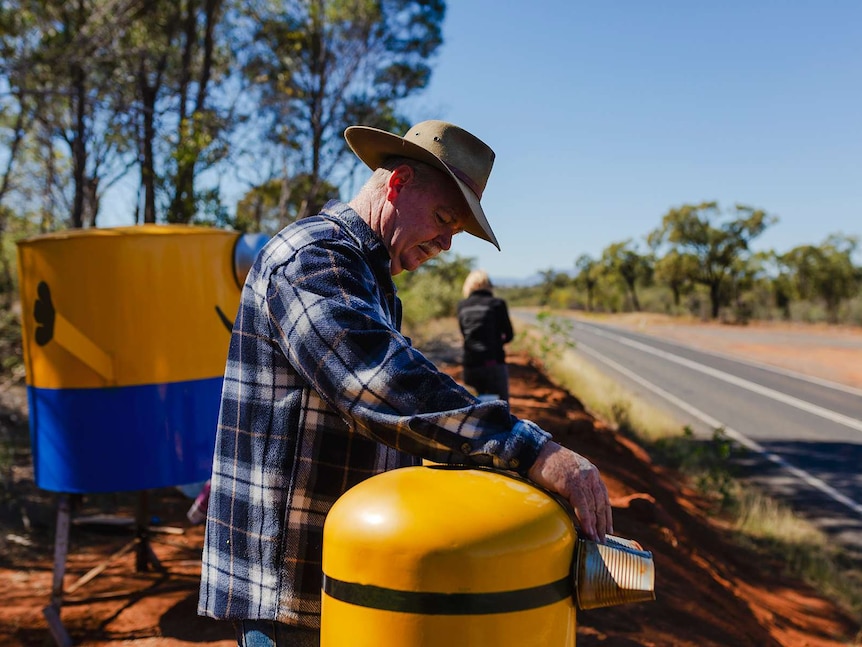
{"x":604,"y":115}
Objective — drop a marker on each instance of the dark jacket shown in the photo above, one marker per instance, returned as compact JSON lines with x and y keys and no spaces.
{"x":485,"y":324}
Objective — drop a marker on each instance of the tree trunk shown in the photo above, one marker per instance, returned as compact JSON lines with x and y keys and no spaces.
{"x":715,"y":298}
{"x":283,"y":197}
{"x":184,"y":204}
{"x":148,"y":173}
{"x":6,"y":281}
{"x":46,"y":222}
{"x":635,"y":303}
{"x":79,"y":147}
{"x":12,"y":154}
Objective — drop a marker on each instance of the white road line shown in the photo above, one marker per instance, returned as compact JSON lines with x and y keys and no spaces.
{"x":746,"y":442}
{"x":789,"y":400}
{"x":778,"y":370}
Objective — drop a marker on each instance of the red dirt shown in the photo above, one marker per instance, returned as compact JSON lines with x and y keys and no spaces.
{"x":709,"y":592}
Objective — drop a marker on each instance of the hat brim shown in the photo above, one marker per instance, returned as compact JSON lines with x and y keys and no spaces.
{"x":373,"y":146}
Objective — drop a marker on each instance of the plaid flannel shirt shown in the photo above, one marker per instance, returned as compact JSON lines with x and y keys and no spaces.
{"x":320,"y":392}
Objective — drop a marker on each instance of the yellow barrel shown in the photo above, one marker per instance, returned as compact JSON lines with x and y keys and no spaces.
{"x":439,"y":556}
{"x":125,"y":336}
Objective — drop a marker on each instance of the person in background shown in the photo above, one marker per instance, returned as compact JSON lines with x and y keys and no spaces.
{"x":321,"y":390}
{"x":486,"y":327}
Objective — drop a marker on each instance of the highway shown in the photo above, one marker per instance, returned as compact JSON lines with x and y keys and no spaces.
{"x":803,"y":435}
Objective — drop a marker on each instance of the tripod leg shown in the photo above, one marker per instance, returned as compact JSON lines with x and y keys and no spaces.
{"x":145,"y":556}
{"x":61,"y":550}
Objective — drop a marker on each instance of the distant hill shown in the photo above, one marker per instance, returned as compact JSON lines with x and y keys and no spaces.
{"x":510,"y":282}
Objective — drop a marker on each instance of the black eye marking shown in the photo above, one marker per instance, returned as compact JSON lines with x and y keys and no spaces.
{"x":227,"y":322}
{"x":44,"y":313}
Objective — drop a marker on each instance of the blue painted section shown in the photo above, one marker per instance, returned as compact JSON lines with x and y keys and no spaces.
{"x":123,"y":438}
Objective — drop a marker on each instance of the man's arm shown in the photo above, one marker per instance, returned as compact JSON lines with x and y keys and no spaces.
{"x":576,"y":479}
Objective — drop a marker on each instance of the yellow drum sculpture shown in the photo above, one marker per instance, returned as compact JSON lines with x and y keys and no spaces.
{"x":440,"y":556}
{"x":125,"y":335}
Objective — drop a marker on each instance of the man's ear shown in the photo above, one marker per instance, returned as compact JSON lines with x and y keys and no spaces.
{"x":402,"y":174}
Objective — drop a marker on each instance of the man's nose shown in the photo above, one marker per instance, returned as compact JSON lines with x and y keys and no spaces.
{"x":445,"y":241}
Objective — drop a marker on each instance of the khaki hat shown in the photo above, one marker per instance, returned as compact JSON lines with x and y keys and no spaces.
{"x":464,"y":157}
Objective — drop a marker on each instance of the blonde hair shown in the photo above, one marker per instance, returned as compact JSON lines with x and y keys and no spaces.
{"x":476,"y":280}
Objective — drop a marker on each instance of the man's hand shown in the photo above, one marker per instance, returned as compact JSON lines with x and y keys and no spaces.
{"x":572,"y":476}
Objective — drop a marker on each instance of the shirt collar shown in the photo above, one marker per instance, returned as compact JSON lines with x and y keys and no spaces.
{"x":358,"y":228}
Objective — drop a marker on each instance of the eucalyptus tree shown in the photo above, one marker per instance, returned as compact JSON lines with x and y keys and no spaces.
{"x":715,"y":239}
{"x":745,"y":276}
{"x":825,"y":271}
{"x":622,"y":261}
{"x":434,"y":289}
{"x":783,"y":286}
{"x":319,"y":66}
{"x":202,"y":63}
{"x":181,"y":57}
{"x":263,"y":208}
{"x":24,"y":98}
{"x":554,"y":287}
{"x":17,"y":115}
{"x":17,"y":107}
{"x":587,"y":277}
{"x":64,"y":62}
{"x":676,"y":270}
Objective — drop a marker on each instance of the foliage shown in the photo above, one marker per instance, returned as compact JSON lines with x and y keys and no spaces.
{"x":587,"y":277}
{"x":555,"y":289}
{"x":67,"y":78}
{"x":12,"y":362}
{"x":320,"y":66}
{"x":175,"y":95}
{"x":825,"y":272}
{"x":17,"y":228}
{"x":553,"y":337}
{"x":692,"y":231}
{"x":622,"y":261}
{"x":433,"y":290}
{"x":676,"y":271}
{"x":277,"y":203}
{"x":93,"y":92}
{"x":708,"y":463}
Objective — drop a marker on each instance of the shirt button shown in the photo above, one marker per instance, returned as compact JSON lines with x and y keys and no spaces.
{"x":465,"y":448}
{"x":514,"y":463}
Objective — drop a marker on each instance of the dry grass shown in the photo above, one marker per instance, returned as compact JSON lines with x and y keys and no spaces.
{"x":806,"y":551}
{"x":605,"y":398}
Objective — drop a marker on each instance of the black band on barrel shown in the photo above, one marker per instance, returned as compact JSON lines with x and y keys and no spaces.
{"x":455,"y":604}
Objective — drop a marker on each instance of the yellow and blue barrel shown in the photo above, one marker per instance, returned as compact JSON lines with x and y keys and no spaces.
{"x":125,"y":336}
{"x":436,"y":556}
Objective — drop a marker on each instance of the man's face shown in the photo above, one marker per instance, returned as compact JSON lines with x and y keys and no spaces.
{"x":422,"y":216}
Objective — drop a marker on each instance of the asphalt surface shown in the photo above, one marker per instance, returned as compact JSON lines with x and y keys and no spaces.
{"x":802,"y":436}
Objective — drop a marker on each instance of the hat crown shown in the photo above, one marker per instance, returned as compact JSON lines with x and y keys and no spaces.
{"x":467,"y":156}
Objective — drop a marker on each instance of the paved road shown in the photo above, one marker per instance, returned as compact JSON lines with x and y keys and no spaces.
{"x":804,"y":435}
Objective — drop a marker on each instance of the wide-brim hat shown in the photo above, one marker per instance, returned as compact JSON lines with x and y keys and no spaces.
{"x":462,"y":156}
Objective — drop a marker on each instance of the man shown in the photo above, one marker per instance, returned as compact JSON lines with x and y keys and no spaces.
{"x":322,"y":391}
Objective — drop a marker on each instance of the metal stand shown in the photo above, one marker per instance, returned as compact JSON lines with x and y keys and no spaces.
{"x":61,"y":548}
{"x":144,"y":558}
